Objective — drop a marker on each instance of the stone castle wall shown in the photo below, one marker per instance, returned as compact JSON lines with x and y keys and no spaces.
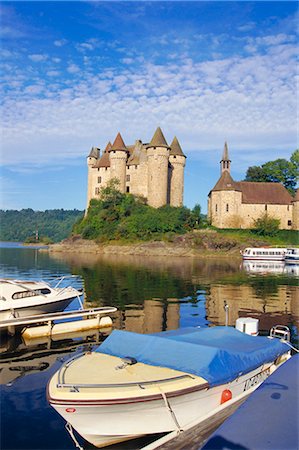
{"x":158,"y":159}
{"x":177,"y":180}
{"x":296,"y":215}
{"x":226,"y":210}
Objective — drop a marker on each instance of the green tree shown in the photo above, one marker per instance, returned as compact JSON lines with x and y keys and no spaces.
{"x":280,"y":170}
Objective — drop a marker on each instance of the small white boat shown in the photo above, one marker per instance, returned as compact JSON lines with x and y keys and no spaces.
{"x":168,"y":381}
{"x":292,"y":256}
{"x":25,"y":298}
{"x":264,"y":253}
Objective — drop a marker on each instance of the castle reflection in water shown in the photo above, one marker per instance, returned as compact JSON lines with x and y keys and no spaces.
{"x":155,"y":294}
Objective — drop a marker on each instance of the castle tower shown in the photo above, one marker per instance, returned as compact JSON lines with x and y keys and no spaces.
{"x":91,"y":161}
{"x":225,"y":198}
{"x":177,"y":160}
{"x":118,"y":159}
{"x":158,"y":159}
{"x":225,"y":162}
{"x":295,"y":202}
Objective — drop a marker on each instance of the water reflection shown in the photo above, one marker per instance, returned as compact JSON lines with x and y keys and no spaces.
{"x":151,"y":294}
{"x":155,"y":294}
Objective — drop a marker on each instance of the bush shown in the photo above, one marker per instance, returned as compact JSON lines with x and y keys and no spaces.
{"x":266,"y":225}
{"x":122,"y":216}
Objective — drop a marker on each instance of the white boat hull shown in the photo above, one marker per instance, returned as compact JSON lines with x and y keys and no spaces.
{"x":103,"y":423}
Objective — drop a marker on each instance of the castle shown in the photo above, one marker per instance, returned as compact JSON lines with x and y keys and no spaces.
{"x":237,"y":204}
{"x":154,"y":171}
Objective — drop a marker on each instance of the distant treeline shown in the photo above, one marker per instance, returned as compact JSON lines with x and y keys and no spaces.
{"x":54,"y":224}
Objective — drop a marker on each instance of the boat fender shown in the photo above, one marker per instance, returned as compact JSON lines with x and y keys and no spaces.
{"x":226,"y":396}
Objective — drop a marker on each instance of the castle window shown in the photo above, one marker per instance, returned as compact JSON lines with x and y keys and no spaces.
{"x":135,"y":167}
{"x":99,"y":179}
{"x":227,"y":207}
{"x":289,"y":223}
{"x":128,"y":177}
{"x":98,"y":169}
{"x":106,"y":168}
{"x":266,"y":207}
{"x":288,"y":208}
{"x":216,"y":208}
{"x":97,"y":191}
{"x":128,"y":188}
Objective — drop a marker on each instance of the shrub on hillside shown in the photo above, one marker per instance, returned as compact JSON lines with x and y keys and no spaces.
{"x":266,"y":225}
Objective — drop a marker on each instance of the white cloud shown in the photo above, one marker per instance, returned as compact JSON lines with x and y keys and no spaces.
{"x":60,"y":43}
{"x":53,"y":73}
{"x":249,"y":101}
{"x":73,"y":68}
{"x":38,"y":57}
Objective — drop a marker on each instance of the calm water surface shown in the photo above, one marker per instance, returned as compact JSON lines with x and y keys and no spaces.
{"x":151,"y":294}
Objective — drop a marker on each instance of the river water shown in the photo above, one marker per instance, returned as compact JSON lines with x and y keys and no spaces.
{"x":151,"y":294}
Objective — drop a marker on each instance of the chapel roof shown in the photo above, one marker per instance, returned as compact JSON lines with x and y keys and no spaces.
{"x":225,"y":156}
{"x":226,"y":183}
{"x":263,"y":192}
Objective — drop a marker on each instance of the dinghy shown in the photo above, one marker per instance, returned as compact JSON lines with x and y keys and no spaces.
{"x":133,"y":384}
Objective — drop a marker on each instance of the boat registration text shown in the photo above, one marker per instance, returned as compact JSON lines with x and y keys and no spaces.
{"x":256,"y":379}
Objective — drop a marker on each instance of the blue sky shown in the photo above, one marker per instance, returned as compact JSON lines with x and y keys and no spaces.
{"x":76,"y":73}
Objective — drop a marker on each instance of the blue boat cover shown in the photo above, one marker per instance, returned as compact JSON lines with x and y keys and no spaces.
{"x":268,"y":419}
{"x":218,"y":354}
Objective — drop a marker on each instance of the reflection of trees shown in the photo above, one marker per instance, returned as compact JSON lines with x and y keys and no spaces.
{"x":124,"y":285}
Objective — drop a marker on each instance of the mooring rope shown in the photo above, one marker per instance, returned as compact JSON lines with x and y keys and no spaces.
{"x":290,"y":345}
{"x":173,"y":416}
{"x":69,"y":428}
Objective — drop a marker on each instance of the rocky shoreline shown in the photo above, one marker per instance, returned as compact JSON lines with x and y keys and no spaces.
{"x":182,"y":247}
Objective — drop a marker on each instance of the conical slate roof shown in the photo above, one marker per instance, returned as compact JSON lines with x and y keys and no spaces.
{"x":158,"y":140}
{"x":108,"y":147}
{"x":175,"y":148}
{"x":226,"y":183}
{"x":94,"y":153}
{"x":225,"y":156}
{"x":119,"y":144}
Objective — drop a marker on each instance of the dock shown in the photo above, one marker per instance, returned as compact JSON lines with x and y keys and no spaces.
{"x":59,"y":322}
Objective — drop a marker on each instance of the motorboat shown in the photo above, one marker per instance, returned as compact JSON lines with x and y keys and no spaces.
{"x":19,"y":298}
{"x":292,"y":256}
{"x":133,"y":384}
{"x":264,"y":253}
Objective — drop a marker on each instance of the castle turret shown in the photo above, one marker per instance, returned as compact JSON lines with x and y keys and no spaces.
{"x":295,"y":202}
{"x":118,"y":159}
{"x":225,"y":198}
{"x":177,"y":160}
{"x":158,"y":159}
{"x":92,"y":159}
{"x":225,"y":162}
